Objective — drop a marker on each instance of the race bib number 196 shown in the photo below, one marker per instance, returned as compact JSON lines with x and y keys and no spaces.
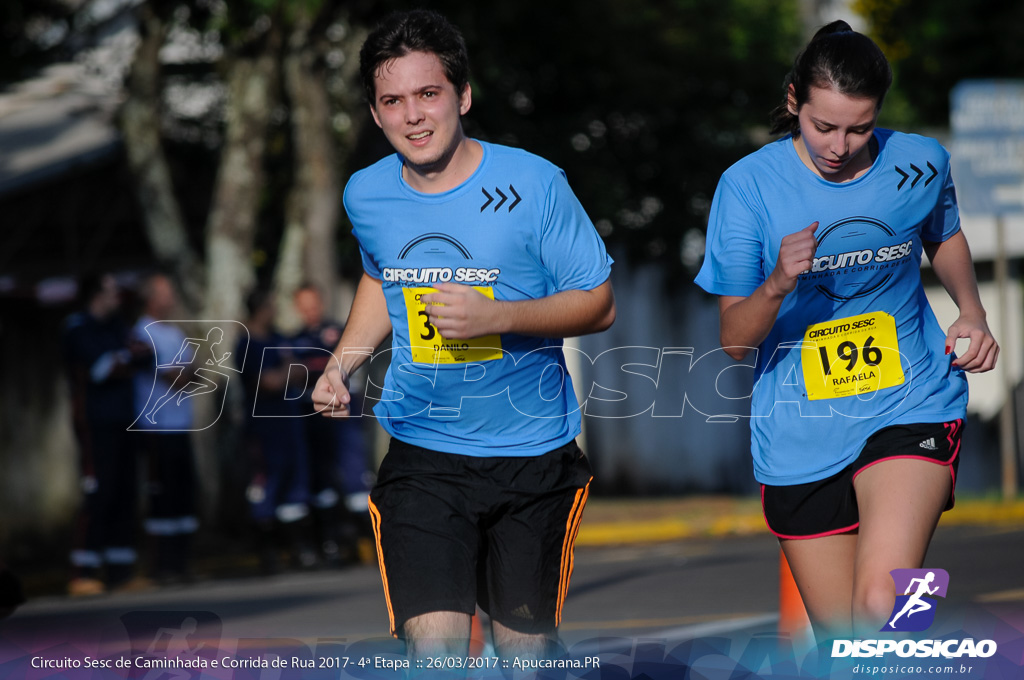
{"x":429,"y":346}
{"x":855,"y":355}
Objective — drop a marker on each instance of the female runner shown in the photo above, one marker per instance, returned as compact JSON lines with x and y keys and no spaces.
{"x":814,"y":247}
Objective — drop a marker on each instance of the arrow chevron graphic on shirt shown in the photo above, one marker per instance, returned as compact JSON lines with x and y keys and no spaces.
{"x":919,"y":173}
{"x":502,"y":201}
{"x":898,"y":186}
{"x":504,"y":198}
{"x":515,"y":202}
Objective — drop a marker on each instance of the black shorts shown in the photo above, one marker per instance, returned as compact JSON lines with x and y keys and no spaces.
{"x":453,"y":531}
{"x":829,"y":506}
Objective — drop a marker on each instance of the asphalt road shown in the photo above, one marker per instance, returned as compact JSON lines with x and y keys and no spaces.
{"x":621,"y":598}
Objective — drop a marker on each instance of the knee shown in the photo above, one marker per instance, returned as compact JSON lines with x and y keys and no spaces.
{"x":510,"y":644}
{"x":437,"y":634}
{"x":429,"y":647}
{"x":873,"y":600}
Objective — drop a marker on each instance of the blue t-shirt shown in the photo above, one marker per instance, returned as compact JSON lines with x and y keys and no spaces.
{"x":515,"y":231}
{"x":822,"y":382}
{"x":167,"y":340}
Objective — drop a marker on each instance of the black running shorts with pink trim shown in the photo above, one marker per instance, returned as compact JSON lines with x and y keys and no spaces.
{"x":829,"y":506}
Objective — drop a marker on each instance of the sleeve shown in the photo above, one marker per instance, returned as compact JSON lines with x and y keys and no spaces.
{"x":733,"y":255}
{"x":944,"y":220}
{"x":369,"y":266}
{"x":570,"y":248}
{"x":350,"y":203}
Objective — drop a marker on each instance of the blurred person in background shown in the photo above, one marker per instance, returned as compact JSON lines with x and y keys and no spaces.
{"x":338,"y":465}
{"x":274,"y":442}
{"x":101,"y":361}
{"x":166,"y":434}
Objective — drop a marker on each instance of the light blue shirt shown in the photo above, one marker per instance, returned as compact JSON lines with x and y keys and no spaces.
{"x":513,"y":228}
{"x":867,"y":261}
{"x":167,"y":339}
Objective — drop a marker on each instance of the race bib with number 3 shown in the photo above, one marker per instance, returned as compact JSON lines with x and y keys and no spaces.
{"x":855,"y":355}
{"x":429,"y":346}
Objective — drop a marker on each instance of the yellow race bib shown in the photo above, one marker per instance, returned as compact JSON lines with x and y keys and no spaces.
{"x":855,"y":355}
{"x":430,"y":347}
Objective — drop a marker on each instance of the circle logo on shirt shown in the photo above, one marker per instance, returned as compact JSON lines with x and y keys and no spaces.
{"x":436,"y":245}
{"x":855,"y":257}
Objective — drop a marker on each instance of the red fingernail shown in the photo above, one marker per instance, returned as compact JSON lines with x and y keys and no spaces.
{"x":947,"y":350}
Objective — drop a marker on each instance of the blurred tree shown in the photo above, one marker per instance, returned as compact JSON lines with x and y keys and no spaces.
{"x":251,"y":65}
{"x":272,"y":208}
{"x":933,"y":45}
{"x":312,"y":210}
{"x":140,"y":123}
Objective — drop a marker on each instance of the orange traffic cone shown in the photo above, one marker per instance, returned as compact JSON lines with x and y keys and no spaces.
{"x":477,"y":639}
{"x":793,"y":619}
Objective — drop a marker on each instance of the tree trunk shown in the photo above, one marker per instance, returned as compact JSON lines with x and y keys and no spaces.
{"x":231,"y":226}
{"x":313,"y":210}
{"x":140,"y":129}
{"x":313,"y":205}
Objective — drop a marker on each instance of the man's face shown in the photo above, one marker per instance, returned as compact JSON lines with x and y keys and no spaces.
{"x":163,"y":300}
{"x":419,"y":110}
{"x":310,"y":307}
{"x":107,"y":300}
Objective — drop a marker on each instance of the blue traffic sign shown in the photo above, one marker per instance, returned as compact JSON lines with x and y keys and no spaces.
{"x":987,"y":120}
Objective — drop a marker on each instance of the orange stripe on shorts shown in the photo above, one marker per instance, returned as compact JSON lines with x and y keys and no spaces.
{"x":572,"y":527}
{"x":375,"y":520}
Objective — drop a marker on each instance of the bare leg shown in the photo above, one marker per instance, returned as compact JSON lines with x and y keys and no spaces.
{"x":823,"y":571}
{"x":512,"y":644}
{"x":900,"y":502}
{"x":437,"y":634}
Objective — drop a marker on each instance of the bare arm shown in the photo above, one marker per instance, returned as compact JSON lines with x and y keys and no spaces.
{"x":459,"y":311}
{"x":746,"y":321}
{"x":367,"y":326}
{"x":951,"y":260}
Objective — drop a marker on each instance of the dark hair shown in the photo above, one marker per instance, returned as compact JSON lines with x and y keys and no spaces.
{"x":257,"y":299}
{"x":90,"y":286}
{"x":310,"y":286}
{"x":419,"y":30}
{"x":837,"y":58}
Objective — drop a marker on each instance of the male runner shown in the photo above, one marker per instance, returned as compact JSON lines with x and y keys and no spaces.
{"x":478,"y":258}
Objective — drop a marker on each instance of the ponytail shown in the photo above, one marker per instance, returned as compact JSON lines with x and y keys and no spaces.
{"x":837,"y":58}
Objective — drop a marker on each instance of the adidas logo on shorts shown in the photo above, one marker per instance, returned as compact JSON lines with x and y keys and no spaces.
{"x":523,"y":612}
{"x":929,"y":444}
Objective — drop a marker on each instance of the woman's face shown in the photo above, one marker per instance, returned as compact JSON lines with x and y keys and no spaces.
{"x":835,"y":130}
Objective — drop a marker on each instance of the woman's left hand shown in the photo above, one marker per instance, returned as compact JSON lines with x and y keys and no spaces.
{"x":983,"y":349}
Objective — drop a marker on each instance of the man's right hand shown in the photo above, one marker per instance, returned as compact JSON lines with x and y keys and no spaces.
{"x":331,"y":396}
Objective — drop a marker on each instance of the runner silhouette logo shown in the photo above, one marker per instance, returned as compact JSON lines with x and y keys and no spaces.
{"x":195,"y":368}
{"x":915,"y":604}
